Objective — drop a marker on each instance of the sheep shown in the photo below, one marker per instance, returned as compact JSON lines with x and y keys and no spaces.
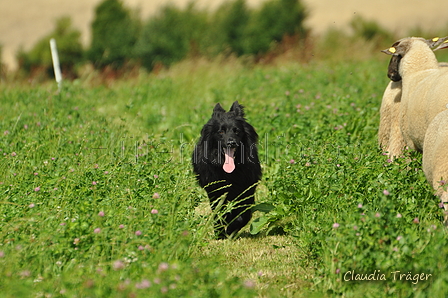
{"x":435,"y":156}
{"x":390,"y":139}
{"x":422,"y":94}
{"x":435,"y":153}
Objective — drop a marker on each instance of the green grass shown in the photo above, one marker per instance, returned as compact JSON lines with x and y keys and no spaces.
{"x":98,"y":198}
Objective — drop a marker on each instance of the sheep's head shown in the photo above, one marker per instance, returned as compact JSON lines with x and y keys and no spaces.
{"x":399,"y":49}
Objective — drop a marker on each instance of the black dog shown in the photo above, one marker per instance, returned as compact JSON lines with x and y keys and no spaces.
{"x":226,"y":162}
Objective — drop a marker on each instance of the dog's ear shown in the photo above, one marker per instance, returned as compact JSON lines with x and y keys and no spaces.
{"x":218,"y":110}
{"x":237,"y":109}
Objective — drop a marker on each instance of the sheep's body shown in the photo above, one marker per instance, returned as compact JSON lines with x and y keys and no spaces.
{"x":390,"y":138}
{"x":435,"y":155}
{"x":424,"y":96}
{"x":424,"y":93}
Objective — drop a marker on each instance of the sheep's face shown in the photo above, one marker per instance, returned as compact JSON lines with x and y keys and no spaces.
{"x":397,"y":50}
{"x":392,"y":70}
{"x":400,"y":48}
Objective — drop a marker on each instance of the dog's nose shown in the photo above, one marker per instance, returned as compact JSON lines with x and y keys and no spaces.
{"x":231,"y":143}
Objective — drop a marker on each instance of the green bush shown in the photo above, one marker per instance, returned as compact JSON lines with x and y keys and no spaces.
{"x":114,"y":34}
{"x":275,"y":19}
{"x":69,"y":49}
{"x":170,"y":36}
{"x":231,"y":20}
{"x":370,"y":30}
{"x":174,"y":33}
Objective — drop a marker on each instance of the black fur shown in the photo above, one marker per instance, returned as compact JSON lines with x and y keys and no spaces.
{"x":228,"y":130}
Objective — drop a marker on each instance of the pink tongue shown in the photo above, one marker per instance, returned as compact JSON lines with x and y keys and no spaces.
{"x":229,"y":164}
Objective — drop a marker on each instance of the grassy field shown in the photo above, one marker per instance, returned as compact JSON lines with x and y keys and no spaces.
{"x":98,"y":198}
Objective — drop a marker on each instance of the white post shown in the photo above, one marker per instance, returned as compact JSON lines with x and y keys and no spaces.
{"x":56,"y":66}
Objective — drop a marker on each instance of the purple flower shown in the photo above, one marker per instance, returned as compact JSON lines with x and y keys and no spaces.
{"x":156,"y":195}
{"x":101,"y":213}
{"x":292,"y":161}
{"x":386,"y":193}
{"x":416,"y":221}
{"x":31,"y":205}
{"x":37,"y":188}
{"x":25,"y":273}
{"x":248,"y":283}
{"x":121,"y":226}
{"x":338,"y":270}
{"x":94,"y":182}
{"x":377,"y":214}
{"x":154,"y":211}
{"x":144,"y":284}
{"x":359,"y":205}
{"x":163,"y":266}
{"x":13,"y":154}
{"x":335,"y":225}
{"x":138,"y":233}
{"x":399,"y":215}
{"x":97,"y":230}
{"x":117,"y":265}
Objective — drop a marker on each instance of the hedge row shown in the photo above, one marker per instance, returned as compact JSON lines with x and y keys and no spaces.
{"x":119,"y":35}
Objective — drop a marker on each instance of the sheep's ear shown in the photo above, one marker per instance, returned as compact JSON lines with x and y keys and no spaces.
{"x":399,"y":47}
{"x":218,"y":110}
{"x":442,"y":45}
{"x":390,"y":51}
{"x":436,"y":41}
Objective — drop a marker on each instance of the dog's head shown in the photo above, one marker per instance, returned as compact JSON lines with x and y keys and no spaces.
{"x":228,"y":127}
{"x":228,"y":138}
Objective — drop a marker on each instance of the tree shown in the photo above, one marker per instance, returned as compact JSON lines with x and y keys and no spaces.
{"x":114,"y":34}
{"x":69,"y":49}
{"x":232,"y":21}
{"x":272,"y":22}
{"x":171,"y":36}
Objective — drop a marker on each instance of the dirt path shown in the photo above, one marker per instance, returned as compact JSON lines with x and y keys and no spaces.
{"x":23,"y":23}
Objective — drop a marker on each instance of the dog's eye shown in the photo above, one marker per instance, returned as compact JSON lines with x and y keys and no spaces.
{"x":221,"y":131}
{"x":236,"y":130}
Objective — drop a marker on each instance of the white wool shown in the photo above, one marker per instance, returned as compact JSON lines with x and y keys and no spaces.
{"x":390,"y":138}
{"x":435,"y":154}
